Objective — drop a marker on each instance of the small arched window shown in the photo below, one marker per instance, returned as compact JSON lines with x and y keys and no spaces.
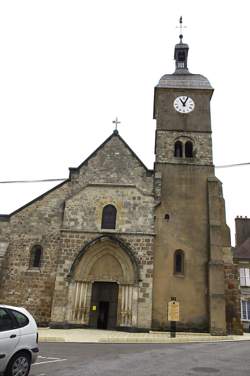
{"x":109,"y":217}
{"x":189,"y":149}
{"x":178,"y":149}
{"x":36,"y":256}
{"x":179,"y":262}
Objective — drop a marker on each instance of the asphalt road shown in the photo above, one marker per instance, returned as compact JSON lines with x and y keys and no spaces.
{"x":203,"y":359}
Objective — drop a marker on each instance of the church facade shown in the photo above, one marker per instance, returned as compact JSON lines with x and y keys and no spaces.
{"x":115,"y":242}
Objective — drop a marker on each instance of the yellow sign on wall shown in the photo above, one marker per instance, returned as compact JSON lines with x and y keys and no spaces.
{"x":173,"y":311}
{"x":94,"y":308}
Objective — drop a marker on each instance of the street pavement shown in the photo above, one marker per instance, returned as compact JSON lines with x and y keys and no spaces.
{"x":189,"y":359}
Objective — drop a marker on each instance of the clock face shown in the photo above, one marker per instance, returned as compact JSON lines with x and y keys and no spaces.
{"x":184,"y":104}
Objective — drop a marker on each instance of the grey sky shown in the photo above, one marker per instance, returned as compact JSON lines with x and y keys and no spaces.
{"x":68,"y":68}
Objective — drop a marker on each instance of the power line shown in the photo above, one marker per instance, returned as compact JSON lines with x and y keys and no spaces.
{"x":233,"y":165}
{"x":62,"y":179}
{"x":30,"y":181}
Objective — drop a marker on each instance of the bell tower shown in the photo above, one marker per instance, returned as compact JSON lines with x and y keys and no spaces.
{"x":191,"y":232}
{"x":181,"y":55}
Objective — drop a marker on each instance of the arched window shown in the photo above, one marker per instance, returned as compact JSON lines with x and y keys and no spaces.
{"x":109,"y":217}
{"x":178,"y":149}
{"x":189,"y":149}
{"x":179,"y":262}
{"x":36,"y":256}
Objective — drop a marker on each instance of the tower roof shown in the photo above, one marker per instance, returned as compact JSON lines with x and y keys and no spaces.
{"x":184,"y":81}
{"x":182,"y":78}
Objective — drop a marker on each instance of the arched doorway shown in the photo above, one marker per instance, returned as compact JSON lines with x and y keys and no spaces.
{"x":103,"y":290}
{"x":103,"y":307}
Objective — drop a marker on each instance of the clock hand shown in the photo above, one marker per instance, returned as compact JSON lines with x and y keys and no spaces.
{"x":185,"y":101}
{"x":182,"y":101}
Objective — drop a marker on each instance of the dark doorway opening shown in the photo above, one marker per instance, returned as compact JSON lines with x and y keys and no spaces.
{"x":102,"y":320}
{"x":103,"y":310}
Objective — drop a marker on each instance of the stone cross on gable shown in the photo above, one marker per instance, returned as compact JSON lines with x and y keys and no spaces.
{"x":116,"y":122}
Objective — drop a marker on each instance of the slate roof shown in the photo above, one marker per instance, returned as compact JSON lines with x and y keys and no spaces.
{"x":243,"y":251}
{"x":184,"y":81}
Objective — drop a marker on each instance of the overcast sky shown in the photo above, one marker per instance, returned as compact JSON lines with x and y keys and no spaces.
{"x":68,"y":68}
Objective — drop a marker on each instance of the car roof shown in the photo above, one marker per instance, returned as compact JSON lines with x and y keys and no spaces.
{"x":21,"y":309}
{"x":11,"y":307}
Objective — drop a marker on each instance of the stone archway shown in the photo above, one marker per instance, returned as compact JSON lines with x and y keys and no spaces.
{"x":104,"y":262}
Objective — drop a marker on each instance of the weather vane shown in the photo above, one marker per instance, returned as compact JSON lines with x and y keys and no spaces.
{"x":181,"y":27}
{"x":116,"y":122}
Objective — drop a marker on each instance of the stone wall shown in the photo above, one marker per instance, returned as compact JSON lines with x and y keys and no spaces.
{"x":182,"y":224}
{"x":232,"y":292}
{"x":135,"y":210}
{"x":37,"y":223}
{"x":3,"y":249}
{"x":168,"y":119}
{"x":202,"y":147}
{"x":23,"y":285}
{"x":224,"y":293}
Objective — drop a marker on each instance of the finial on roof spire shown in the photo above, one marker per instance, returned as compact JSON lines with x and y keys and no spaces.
{"x":181,"y":52}
{"x":181,"y":27}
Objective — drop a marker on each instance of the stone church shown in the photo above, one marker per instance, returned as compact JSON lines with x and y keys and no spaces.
{"x":110,"y":246}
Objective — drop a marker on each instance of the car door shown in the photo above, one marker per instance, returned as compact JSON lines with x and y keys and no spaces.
{"x":9,"y":337}
{"x":27,"y":329}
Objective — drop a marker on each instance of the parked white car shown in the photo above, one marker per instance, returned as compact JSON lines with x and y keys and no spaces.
{"x":18,"y":341}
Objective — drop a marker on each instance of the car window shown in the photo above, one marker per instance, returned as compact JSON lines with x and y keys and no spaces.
{"x":20,"y":318}
{"x":6,"y":322}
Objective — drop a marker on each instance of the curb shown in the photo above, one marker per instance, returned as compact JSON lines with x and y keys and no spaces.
{"x":164,"y":340}
{"x":142,"y":340}
{"x":51,"y":339}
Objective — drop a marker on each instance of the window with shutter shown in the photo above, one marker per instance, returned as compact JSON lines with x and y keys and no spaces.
{"x":247,"y":273}
{"x":244,"y":277}
{"x":245,"y":310}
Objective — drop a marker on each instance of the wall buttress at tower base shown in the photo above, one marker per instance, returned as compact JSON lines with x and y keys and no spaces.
{"x":223,"y":318}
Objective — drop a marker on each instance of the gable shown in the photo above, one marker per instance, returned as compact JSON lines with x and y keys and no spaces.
{"x":113,"y":163}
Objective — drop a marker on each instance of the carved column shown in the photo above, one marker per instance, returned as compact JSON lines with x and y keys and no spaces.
{"x":126,"y":305}
{"x":80,"y":311}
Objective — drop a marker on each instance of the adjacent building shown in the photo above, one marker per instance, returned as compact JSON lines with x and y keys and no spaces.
{"x":242,"y":259}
